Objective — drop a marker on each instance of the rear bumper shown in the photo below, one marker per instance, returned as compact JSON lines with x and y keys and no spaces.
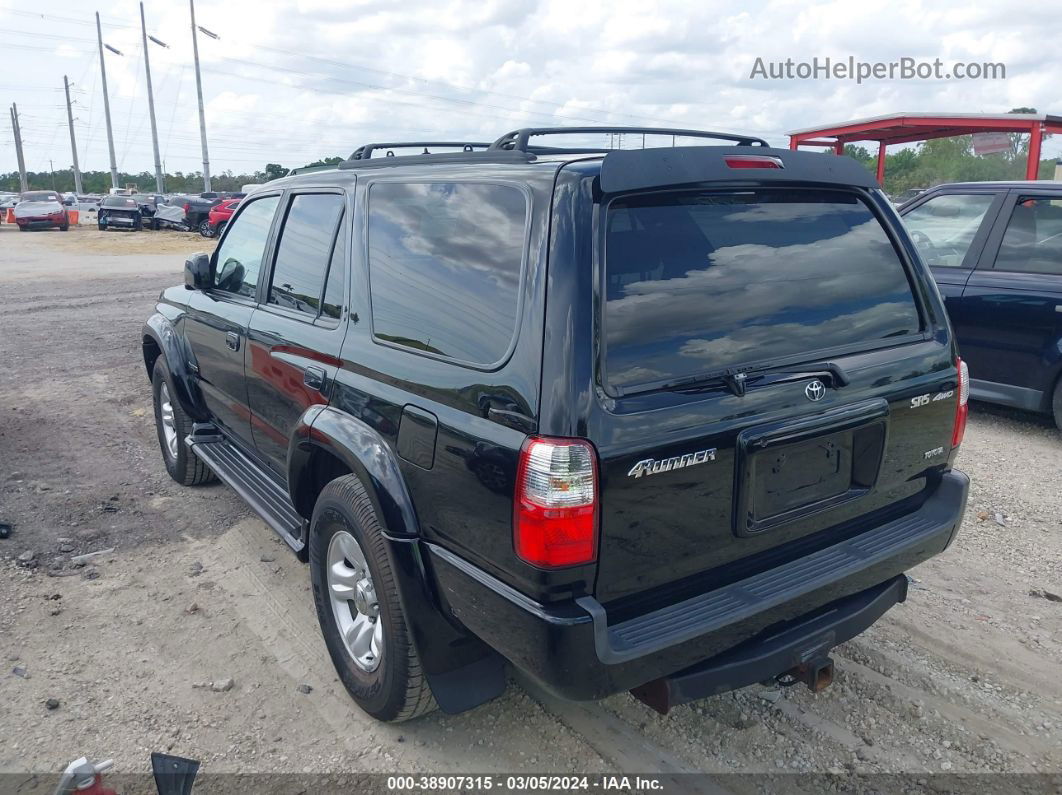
{"x":573,"y":651}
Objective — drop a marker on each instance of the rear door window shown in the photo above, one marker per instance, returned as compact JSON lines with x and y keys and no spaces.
{"x":1033,"y":240}
{"x":699,"y":282}
{"x":304,"y":251}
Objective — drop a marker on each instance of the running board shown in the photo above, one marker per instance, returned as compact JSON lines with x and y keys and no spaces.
{"x":268,"y":498}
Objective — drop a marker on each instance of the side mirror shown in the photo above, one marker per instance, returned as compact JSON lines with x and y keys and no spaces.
{"x":197,"y":272}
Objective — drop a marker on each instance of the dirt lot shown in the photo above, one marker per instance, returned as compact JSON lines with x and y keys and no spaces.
{"x":965,"y":677}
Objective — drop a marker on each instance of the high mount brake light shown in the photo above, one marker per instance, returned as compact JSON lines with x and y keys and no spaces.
{"x":962,"y":408}
{"x":753,"y":161}
{"x":555,"y":506}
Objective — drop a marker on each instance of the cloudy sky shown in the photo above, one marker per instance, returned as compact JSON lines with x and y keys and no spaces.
{"x":293,"y":80}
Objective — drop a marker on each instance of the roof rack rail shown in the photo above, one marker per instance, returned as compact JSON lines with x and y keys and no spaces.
{"x":518,"y":139}
{"x":365,"y":152}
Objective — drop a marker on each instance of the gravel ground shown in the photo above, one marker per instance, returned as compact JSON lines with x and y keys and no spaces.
{"x":195,"y":634}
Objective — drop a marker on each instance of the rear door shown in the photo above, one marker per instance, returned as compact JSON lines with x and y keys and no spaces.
{"x":297,"y":332}
{"x":769,"y":371}
{"x":217,"y":320}
{"x":1011,"y":308}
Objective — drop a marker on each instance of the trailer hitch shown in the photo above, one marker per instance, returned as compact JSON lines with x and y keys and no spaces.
{"x":817,"y":674}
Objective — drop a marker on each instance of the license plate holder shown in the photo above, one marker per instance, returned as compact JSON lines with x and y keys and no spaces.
{"x":793,"y":476}
{"x":791,"y":469}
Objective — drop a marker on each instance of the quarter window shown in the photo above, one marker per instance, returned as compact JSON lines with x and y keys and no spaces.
{"x":239,"y":258}
{"x":943,"y":228}
{"x":1033,"y":240}
{"x":445,"y":261}
{"x":304,"y":251}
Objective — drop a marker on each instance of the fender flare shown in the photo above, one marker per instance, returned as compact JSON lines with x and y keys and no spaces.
{"x":161,"y":330}
{"x":462,"y":671}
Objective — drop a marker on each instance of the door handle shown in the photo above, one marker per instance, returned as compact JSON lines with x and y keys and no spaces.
{"x":314,"y":377}
{"x":232,"y":339}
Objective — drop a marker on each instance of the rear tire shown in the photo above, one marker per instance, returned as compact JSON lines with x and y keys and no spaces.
{"x":172,"y":425}
{"x":206,"y":229}
{"x":347,"y":550}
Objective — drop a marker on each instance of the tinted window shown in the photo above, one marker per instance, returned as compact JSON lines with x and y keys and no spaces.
{"x":698,"y":282}
{"x":332,"y":305}
{"x":304,"y":250}
{"x":944,"y":227}
{"x":1033,"y":240}
{"x":118,"y":201}
{"x":239,"y":257}
{"x":445,"y":262}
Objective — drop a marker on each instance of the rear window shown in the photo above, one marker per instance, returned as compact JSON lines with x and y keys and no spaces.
{"x":698,"y":282}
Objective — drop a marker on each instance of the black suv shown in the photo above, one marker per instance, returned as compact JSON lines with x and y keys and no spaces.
{"x":995,"y":250}
{"x":672,"y":419}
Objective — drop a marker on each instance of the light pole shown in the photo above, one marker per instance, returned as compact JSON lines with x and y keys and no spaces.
{"x":151,"y":100}
{"x":199,"y":93}
{"x":107,"y":101}
{"x":73,"y":142}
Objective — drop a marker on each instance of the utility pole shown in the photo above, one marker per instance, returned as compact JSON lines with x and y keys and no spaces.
{"x":106,"y":105}
{"x":17,"y":130}
{"x":151,"y":104}
{"x":73,"y":141}
{"x":199,"y":92}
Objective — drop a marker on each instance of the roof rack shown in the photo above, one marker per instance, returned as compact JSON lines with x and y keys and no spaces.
{"x":518,"y":139}
{"x":365,"y":151}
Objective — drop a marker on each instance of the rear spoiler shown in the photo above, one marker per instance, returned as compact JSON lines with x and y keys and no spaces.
{"x":636,"y":169}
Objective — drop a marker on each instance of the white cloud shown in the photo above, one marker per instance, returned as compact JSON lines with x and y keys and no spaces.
{"x":330,"y":74}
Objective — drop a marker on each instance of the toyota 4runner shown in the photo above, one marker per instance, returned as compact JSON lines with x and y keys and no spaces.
{"x":673,"y":420}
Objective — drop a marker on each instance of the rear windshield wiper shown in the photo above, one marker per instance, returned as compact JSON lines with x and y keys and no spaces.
{"x":737,"y":381}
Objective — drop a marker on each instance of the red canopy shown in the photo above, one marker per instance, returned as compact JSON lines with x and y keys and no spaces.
{"x":903,"y":128}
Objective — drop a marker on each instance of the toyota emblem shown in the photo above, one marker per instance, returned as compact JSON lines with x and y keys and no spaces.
{"x":816,"y":390}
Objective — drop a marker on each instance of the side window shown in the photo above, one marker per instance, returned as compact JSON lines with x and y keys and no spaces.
{"x":239,"y":258}
{"x":944,"y":227}
{"x":332,"y":305}
{"x":1033,"y":240}
{"x":445,"y":262}
{"x":304,"y":250}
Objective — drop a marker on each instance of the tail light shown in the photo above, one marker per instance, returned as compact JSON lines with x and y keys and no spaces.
{"x":962,"y":409}
{"x":753,"y":161}
{"x":187,"y":207}
{"x":555,"y":509}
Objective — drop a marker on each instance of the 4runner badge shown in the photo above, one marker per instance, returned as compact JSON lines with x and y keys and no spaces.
{"x":652,"y":466}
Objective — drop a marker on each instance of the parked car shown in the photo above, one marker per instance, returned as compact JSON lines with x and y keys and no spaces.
{"x":120,"y":212}
{"x":41,"y":209}
{"x":8,"y":201}
{"x":197,"y":209}
{"x":219,"y":215}
{"x":673,"y":420}
{"x":995,"y":250}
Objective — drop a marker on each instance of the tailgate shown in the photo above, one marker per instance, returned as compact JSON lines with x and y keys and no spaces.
{"x":769,"y":382}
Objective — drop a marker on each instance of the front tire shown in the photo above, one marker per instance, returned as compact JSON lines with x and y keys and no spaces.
{"x":206,"y":229}
{"x":358,"y":608}
{"x":172,"y":425}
